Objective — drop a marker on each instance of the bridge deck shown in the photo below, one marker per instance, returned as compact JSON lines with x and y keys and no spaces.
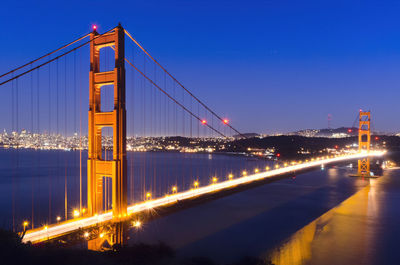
{"x":56,"y":230}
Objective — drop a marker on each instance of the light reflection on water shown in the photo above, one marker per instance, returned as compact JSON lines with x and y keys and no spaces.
{"x":343,"y":235}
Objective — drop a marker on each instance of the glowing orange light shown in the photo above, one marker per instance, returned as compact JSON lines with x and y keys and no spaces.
{"x":203,"y":121}
{"x":76,"y":213}
{"x":336,"y":147}
{"x":226,"y":121}
{"x":196,"y":184}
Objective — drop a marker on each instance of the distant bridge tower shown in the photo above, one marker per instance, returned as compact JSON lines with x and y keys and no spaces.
{"x":364,"y":142}
{"x":98,"y":168}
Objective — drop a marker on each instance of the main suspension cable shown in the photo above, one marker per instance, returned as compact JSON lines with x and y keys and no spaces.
{"x":55,"y":58}
{"x":173,"y":99}
{"x":173,"y":78}
{"x":44,"y":56}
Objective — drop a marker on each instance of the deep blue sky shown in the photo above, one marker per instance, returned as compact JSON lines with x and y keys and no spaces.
{"x":270,"y":66}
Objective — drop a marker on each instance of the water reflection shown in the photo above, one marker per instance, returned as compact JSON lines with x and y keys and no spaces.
{"x":342,"y":235}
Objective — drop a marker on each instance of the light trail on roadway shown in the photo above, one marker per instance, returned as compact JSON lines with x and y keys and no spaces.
{"x":56,"y":230}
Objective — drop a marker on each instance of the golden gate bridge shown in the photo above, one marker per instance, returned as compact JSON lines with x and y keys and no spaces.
{"x":134,"y":104}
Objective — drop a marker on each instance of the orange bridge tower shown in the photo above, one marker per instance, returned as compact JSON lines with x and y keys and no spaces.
{"x":97,"y":167}
{"x":364,"y":143}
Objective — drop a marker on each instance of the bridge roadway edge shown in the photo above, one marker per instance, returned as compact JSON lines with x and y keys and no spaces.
{"x":70,"y":238}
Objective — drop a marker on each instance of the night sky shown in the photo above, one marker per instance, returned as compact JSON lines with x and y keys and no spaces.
{"x":269,"y":66}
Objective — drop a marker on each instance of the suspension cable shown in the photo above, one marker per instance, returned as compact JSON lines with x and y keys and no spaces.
{"x":55,"y":58}
{"x":173,"y":99}
{"x":190,"y":93}
{"x":44,"y":56}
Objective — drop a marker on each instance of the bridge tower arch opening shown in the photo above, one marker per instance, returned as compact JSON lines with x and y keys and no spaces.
{"x":97,"y":166}
{"x":364,"y":143}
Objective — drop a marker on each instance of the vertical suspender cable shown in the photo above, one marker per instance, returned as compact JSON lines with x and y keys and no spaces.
{"x":49,"y":130}
{"x":65,"y":135}
{"x":32,"y":177}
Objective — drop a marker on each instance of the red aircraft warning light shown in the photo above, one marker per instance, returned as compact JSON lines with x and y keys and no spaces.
{"x":94,"y":27}
{"x":349,"y":130}
{"x":376,"y":138}
{"x":226,"y":121}
{"x":203,"y":121}
{"x":278,"y":155}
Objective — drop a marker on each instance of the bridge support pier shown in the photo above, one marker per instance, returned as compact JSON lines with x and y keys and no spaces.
{"x":108,"y":238}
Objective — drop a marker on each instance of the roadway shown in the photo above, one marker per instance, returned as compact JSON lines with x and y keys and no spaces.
{"x":57,"y":230}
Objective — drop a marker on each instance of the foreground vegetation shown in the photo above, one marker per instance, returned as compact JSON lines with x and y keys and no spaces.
{"x":13,"y":251}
